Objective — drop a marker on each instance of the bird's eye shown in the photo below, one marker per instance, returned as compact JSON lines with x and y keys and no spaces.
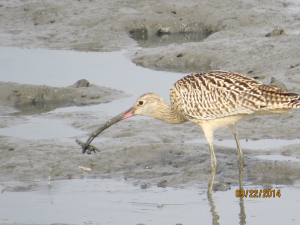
{"x":141,"y":102}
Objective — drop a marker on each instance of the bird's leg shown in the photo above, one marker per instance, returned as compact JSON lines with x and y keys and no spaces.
{"x":209,"y":137}
{"x":213,"y":168}
{"x":240,"y":156}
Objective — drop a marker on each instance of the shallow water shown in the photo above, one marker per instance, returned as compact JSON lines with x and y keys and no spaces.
{"x":119,"y":202}
{"x":251,"y":144}
{"x":278,"y":158}
{"x":38,"y":128}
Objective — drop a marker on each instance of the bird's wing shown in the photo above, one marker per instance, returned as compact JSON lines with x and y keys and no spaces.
{"x":218,"y":94}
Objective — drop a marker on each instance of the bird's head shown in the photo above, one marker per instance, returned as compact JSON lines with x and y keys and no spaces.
{"x":148,"y":105}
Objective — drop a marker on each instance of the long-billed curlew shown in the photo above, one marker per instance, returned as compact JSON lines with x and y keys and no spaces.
{"x":212,"y":100}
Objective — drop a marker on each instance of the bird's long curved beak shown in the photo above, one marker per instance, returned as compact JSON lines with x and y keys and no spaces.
{"x":87,"y":147}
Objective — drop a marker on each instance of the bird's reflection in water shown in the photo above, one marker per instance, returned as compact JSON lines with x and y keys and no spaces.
{"x":242,"y":205}
{"x":215,"y":216}
{"x":242,"y":214}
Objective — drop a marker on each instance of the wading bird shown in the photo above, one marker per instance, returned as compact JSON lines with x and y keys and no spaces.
{"x":212,"y":100}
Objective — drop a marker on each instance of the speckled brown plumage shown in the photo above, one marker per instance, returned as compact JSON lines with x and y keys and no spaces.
{"x":219,"y":94}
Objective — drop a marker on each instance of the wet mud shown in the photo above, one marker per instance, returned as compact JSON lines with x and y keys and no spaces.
{"x":26,"y":99}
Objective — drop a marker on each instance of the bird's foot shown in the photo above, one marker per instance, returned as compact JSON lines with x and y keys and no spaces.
{"x":87,"y":148}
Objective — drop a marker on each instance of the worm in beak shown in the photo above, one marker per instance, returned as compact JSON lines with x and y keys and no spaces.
{"x":86,"y":147}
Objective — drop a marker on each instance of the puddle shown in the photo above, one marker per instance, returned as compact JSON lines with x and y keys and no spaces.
{"x":146,"y":40}
{"x":38,"y":128}
{"x":118,"y":202}
{"x":251,"y":144}
{"x":278,"y":158}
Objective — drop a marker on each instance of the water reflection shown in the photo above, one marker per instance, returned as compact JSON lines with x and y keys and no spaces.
{"x":242,"y":214}
{"x":250,"y":144}
{"x":216,"y":217}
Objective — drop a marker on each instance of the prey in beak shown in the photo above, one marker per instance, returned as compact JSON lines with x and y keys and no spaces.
{"x":86,"y":147}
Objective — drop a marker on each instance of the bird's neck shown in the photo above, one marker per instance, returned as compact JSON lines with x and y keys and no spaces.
{"x":165,"y":113}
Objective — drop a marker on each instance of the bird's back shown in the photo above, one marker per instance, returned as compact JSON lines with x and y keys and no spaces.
{"x":218,"y":94}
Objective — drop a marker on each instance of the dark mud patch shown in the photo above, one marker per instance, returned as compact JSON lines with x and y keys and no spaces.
{"x":164,"y":36}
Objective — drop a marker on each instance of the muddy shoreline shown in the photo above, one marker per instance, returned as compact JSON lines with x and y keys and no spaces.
{"x":147,"y":152}
{"x":26,"y":99}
